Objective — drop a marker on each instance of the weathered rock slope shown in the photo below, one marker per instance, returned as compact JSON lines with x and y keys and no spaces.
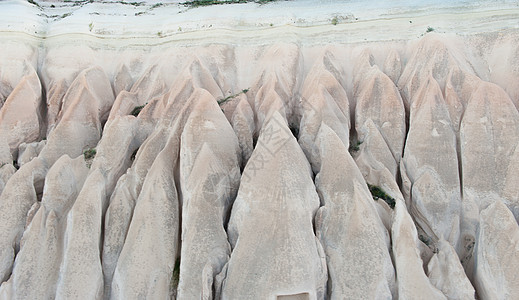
{"x":274,"y":171}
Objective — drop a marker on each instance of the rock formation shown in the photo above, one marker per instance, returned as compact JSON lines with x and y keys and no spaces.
{"x":224,"y":158}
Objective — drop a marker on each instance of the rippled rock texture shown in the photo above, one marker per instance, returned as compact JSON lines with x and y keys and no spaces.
{"x":362,"y":171}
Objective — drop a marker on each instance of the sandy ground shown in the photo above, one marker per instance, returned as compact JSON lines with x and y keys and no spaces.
{"x":303,"y":20}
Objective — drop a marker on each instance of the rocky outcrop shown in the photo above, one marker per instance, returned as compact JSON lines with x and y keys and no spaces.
{"x":274,"y":255}
{"x":276,"y":170}
{"x":353,"y":236}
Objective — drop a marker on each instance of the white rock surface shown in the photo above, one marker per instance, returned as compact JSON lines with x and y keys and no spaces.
{"x":274,"y":255}
{"x":36,"y":268}
{"x":353,"y":236}
{"x":496,"y":253}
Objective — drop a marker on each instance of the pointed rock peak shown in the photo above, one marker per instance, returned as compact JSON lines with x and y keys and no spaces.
{"x":492,"y":94}
{"x":66,"y":173}
{"x":330,"y":145}
{"x":393,"y":65}
{"x":365,"y":64}
{"x":430,"y":92}
{"x":148,"y":77}
{"x":274,"y":124}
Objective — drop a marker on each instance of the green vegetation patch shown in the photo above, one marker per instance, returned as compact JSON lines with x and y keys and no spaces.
{"x":137,"y":110}
{"x":222,"y":101}
{"x":198,"y":3}
{"x":379,"y":193}
{"x":354,"y":147}
{"x":90,"y":153}
{"x":176,"y":274}
{"x":33,"y":2}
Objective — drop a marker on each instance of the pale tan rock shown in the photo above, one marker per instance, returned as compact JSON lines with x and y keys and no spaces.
{"x":117,"y":221}
{"x":19,"y":194}
{"x":209,"y":177}
{"x":446,"y":273}
{"x":274,"y":88}
{"x":85,"y":108}
{"x":432,"y":56}
{"x":431,"y":163}
{"x":150,"y":85}
{"x":36,"y":268}
{"x":354,"y":238}
{"x":55,"y":95}
{"x":274,"y":255}
{"x":243,"y":125}
{"x":81,"y":274}
{"x":488,"y":135}
{"x":324,"y":101}
{"x":374,"y":155}
{"x":378,"y":99}
{"x":6,"y":171}
{"x":393,"y":65}
{"x":20,"y":116}
{"x":123,"y":80}
{"x":412,"y":281}
{"x":26,"y":152}
{"x":497,"y":253}
{"x":5,"y":153}
{"x":145,"y":265}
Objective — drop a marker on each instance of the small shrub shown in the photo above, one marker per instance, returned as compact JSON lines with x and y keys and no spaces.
{"x":429,"y":29}
{"x":175,"y":277}
{"x":33,"y":2}
{"x":378,"y":193}
{"x":354,"y":147}
{"x":137,"y":110}
{"x":157,"y":5}
{"x":91,"y":26}
{"x":52,"y":6}
{"x":90,"y":153}
{"x":222,"y":101}
{"x":335,"y":21}
{"x":159,"y":34}
{"x":425,"y":240}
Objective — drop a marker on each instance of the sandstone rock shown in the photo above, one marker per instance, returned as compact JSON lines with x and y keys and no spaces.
{"x":19,"y":194}
{"x":36,"y":268}
{"x":433,"y":56}
{"x":497,"y":253}
{"x":431,"y":163}
{"x":6,"y":171}
{"x":209,"y":179}
{"x":85,"y":108}
{"x":26,"y":152}
{"x":81,"y":274}
{"x":117,"y":221}
{"x":279,"y":67}
{"x":55,"y":95}
{"x":378,"y":99}
{"x":446,"y":273}
{"x":324,"y":101}
{"x":243,"y":125}
{"x":393,"y":65}
{"x":20,"y":115}
{"x":412,"y":281}
{"x":354,"y":238}
{"x":146,"y":262}
{"x":123,"y":80}
{"x":488,"y":135}
{"x":274,"y":255}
